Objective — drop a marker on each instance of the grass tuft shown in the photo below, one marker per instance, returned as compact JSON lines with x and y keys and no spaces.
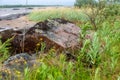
{"x":66,"y":13}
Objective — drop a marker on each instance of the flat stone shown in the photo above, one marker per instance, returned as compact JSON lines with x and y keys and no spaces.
{"x":13,"y":13}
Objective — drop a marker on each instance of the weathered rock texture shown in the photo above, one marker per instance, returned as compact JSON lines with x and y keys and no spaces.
{"x":58,"y":33}
{"x":13,"y":68}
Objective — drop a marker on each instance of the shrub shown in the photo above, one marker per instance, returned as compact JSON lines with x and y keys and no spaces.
{"x":112,"y":10}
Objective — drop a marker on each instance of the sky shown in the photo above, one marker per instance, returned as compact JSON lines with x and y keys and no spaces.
{"x":37,"y":2}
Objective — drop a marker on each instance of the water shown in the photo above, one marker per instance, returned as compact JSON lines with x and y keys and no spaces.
{"x":37,"y":2}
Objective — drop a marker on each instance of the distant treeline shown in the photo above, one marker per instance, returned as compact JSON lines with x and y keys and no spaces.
{"x":12,"y":6}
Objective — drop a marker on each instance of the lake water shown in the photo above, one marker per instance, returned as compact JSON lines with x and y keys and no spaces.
{"x":37,"y":2}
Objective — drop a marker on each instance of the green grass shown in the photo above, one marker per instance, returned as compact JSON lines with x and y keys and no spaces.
{"x":66,"y":13}
{"x":55,"y":67}
{"x":4,"y":50}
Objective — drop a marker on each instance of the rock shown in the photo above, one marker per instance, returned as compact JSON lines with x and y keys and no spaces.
{"x":15,"y":65}
{"x":19,"y":62}
{"x":12,"y":16}
{"x":15,"y":9}
{"x":30,"y":8}
{"x":12,"y":59}
{"x":6,"y":74}
{"x":24,"y":43}
{"x":6,"y":33}
{"x":58,"y":33}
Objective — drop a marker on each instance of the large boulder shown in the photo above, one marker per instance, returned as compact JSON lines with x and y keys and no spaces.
{"x":58,"y":33}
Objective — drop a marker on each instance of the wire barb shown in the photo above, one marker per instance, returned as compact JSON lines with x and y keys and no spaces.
{"x":24,"y":31}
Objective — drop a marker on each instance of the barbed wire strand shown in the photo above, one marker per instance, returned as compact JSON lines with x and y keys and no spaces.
{"x":24,"y":30}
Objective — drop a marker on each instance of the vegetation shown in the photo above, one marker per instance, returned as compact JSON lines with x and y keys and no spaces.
{"x":4,"y":50}
{"x":99,"y":10}
{"x":99,"y":57}
{"x":86,"y":3}
{"x":81,"y":3}
{"x":66,"y":13}
{"x":54,"y":67}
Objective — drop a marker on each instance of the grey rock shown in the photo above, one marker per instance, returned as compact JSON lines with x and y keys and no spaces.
{"x":19,"y":61}
{"x":12,"y":16}
{"x":6,"y":33}
{"x":59,"y":31}
{"x":15,"y":65}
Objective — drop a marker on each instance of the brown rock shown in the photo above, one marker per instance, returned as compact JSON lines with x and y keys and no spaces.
{"x":58,"y":33}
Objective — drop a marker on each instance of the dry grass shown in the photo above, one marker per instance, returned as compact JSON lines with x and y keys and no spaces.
{"x":71,"y":14}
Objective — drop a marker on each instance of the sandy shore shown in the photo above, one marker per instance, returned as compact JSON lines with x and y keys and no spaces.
{"x":21,"y":22}
{"x":17,"y":23}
